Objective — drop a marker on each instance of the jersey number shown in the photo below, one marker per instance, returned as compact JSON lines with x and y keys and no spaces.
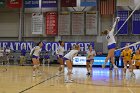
{"x":108,"y":37}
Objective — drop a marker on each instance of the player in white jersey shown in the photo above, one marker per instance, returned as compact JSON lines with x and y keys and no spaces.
{"x":35,"y":53}
{"x":68,"y":58}
{"x":60,"y":53}
{"x":111,"y":43}
{"x":90,"y":59}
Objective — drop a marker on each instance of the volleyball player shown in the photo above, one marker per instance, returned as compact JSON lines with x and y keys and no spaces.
{"x":111,"y":44}
{"x":90,"y":55}
{"x":136,"y":59}
{"x":35,"y":53}
{"x":127,"y":59}
{"x":60,"y":54}
{"x":68,"y":58}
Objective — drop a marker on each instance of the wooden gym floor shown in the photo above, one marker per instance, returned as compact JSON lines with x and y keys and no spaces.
{"x":18,"y":79}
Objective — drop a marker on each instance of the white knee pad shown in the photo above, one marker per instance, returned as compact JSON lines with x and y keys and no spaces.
{"x":62,"y":66}
{"x":125,"y":67}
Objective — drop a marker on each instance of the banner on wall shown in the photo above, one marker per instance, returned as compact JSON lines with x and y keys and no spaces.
{"x":14,"y":3}
{"x":49,"y":3}
{"x":88,"y":3}
{"x":51,"y":23}
{"x":134,"y":48}
{"x":136,"y":23}
{"x":107,"y":7}
{"x":48,"y":46}
{"x":64,"y":23}
{"x":37,"y":23}
{"x":15,"y":45}
{"x":123,"y":16}
{"x":91,"y":23}
{"x":68,"y":3}
{"x":78,"y":23}
{"x":2,"y":3}
{"x":52,"y":46}
{"x":31,"y":3}
{"x":124,"y":2}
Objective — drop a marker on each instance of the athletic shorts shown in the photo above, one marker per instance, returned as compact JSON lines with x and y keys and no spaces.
{"x":59,"y":56}
{"x":111,"y":46}
{"x":65,"y":59}
{"x":90,"y":60}
{"x":35,"y":56}
{"x":47,"y":57}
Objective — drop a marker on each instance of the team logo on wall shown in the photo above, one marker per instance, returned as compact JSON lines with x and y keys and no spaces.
{"x":76,"y":59}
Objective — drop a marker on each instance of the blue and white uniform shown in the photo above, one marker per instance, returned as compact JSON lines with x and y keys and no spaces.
{"x":36,"y":52}
{"x":71,"y":55}
{"x":60,"y":51}
{"x":110,"y":37}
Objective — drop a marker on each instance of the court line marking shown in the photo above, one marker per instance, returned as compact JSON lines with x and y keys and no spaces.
{"x":81,"y":83}
{"x":130,"y":90}
{"x":40,"y":82}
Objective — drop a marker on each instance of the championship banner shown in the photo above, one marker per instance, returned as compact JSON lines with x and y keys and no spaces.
{"x":31,"y":3}
{"x":14,"y":3}
{"x":123,"y":16}
{"x":37,"y":23}
{"x":91,"y":23}
{"x":51,"y":23}
{"x":85,"y":3}
{"x":64,"y":23}
{"x":134,"y":48}
{"x":107,"y":7}
{"x":78,"y":23}
{"x":68,"y":3}
{"x":136,"y":23}
{"x":49,"y":3}
{"x":2,"y":3}
{"x":123,"y":2}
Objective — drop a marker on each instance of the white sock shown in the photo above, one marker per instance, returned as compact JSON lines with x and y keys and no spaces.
{"x":114,"y":65}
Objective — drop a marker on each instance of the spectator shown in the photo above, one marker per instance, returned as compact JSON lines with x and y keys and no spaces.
{"x":22,"y":56}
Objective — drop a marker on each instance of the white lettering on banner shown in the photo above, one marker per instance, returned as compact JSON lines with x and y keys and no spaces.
{"x":134,"y":48}
{"x":54,"y":46}
{"x":11,"y":46}
{"x":5,"y":44}
{"x":86,"y":46}
{"x":29,"y":46}
{"x":66,"y":47}
{"x":81,"y":46}
{"x":21,"y":46}
{"x":17,"y":44}
{"x":47,"y":45}
{"x":73,"y":44}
